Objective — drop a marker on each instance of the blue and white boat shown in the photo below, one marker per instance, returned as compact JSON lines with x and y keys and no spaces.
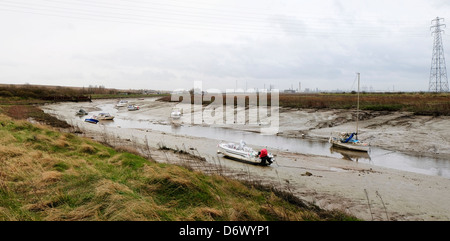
{"x":91,"y":120}
{"x":348,"y":141}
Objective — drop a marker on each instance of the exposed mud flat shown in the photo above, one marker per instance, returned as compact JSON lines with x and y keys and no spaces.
{"x":366,"y":191}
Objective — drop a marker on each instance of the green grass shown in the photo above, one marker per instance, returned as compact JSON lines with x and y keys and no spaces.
{"x":49,"y":175}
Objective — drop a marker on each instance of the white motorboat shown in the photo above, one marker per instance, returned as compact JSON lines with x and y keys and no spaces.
{"x":122,"y":103}
{"x":104,"y":116}
{"x":243,"y":153}
{"x":176,"y":113}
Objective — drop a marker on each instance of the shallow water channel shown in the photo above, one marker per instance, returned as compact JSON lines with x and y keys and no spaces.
{"x":376,"y":156}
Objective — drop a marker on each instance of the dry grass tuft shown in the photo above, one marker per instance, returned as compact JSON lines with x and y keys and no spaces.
{"x":10,"y":151}
{"x":50,"y":177}
{"x":108,"y":188}
{"x":86,"y":148}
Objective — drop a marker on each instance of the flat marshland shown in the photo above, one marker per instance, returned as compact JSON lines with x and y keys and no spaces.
{"x":419,"y":103}
{"x":413,"y":123}
{"x":46,"y":174}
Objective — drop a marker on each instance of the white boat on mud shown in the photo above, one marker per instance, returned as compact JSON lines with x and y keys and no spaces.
{"x":104,"y":116}
{"x":133,"y":107}
{"x":176,"y":113}
{"x":122,"y":103}
{"x":348,"y":141}
{"x":243,"y":153}
{"x":81,"y":112}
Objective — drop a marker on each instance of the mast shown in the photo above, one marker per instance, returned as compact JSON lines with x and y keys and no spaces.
{"x":357,"y":109}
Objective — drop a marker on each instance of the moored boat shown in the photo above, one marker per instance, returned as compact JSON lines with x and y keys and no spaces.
{"x":91,"y":120}
{"x":348,"y":141}
{"x":104,"y":116}
{"x":133,"y":107}
{"x":175,"y":114}
{"x":122,"y":103}
{"x":81,"y":112}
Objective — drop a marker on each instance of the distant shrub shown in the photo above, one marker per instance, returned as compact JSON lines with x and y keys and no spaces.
{"x":6,"y":93}
{"x":385,"y":107}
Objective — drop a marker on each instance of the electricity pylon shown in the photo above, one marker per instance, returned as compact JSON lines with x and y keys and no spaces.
{"x":438,"y":73}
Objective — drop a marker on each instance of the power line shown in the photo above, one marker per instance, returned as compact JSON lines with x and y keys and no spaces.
{"x":173,"y":20}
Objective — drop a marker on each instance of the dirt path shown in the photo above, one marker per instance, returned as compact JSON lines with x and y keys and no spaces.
{"x":366,"y":191}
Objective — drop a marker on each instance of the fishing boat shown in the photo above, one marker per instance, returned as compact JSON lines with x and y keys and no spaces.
{"x":349,"y":140}
{"x":133,"y":107}
{"x":122,"y":103}
{"x":104,"y":116}
{"x":91,"y":120}
{"x":242,"y":152}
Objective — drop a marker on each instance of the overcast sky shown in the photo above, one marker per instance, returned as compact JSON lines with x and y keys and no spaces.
{"x":169,"y":44}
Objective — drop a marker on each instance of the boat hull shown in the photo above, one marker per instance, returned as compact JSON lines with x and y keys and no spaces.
{"x":350,"y":146}
{"x":105,"y":118}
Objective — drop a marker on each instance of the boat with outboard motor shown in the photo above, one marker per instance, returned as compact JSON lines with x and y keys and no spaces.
{"x":244,"y":153}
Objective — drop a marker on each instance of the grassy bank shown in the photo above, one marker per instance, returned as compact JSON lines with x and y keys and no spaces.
{"x":49,"y":175}
{"x":418,"y":103}
{"x":121,"y":96}
{"x":39,"y":94}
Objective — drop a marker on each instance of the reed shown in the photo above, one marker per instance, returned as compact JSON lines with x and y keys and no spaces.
{"x":419,"y":103}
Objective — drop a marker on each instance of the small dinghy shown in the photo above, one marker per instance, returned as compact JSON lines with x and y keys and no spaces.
{"x":81,"y":112}
{"x":176,"y":113}
{"x":91,"y":120}
{"x":244,"y":153}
